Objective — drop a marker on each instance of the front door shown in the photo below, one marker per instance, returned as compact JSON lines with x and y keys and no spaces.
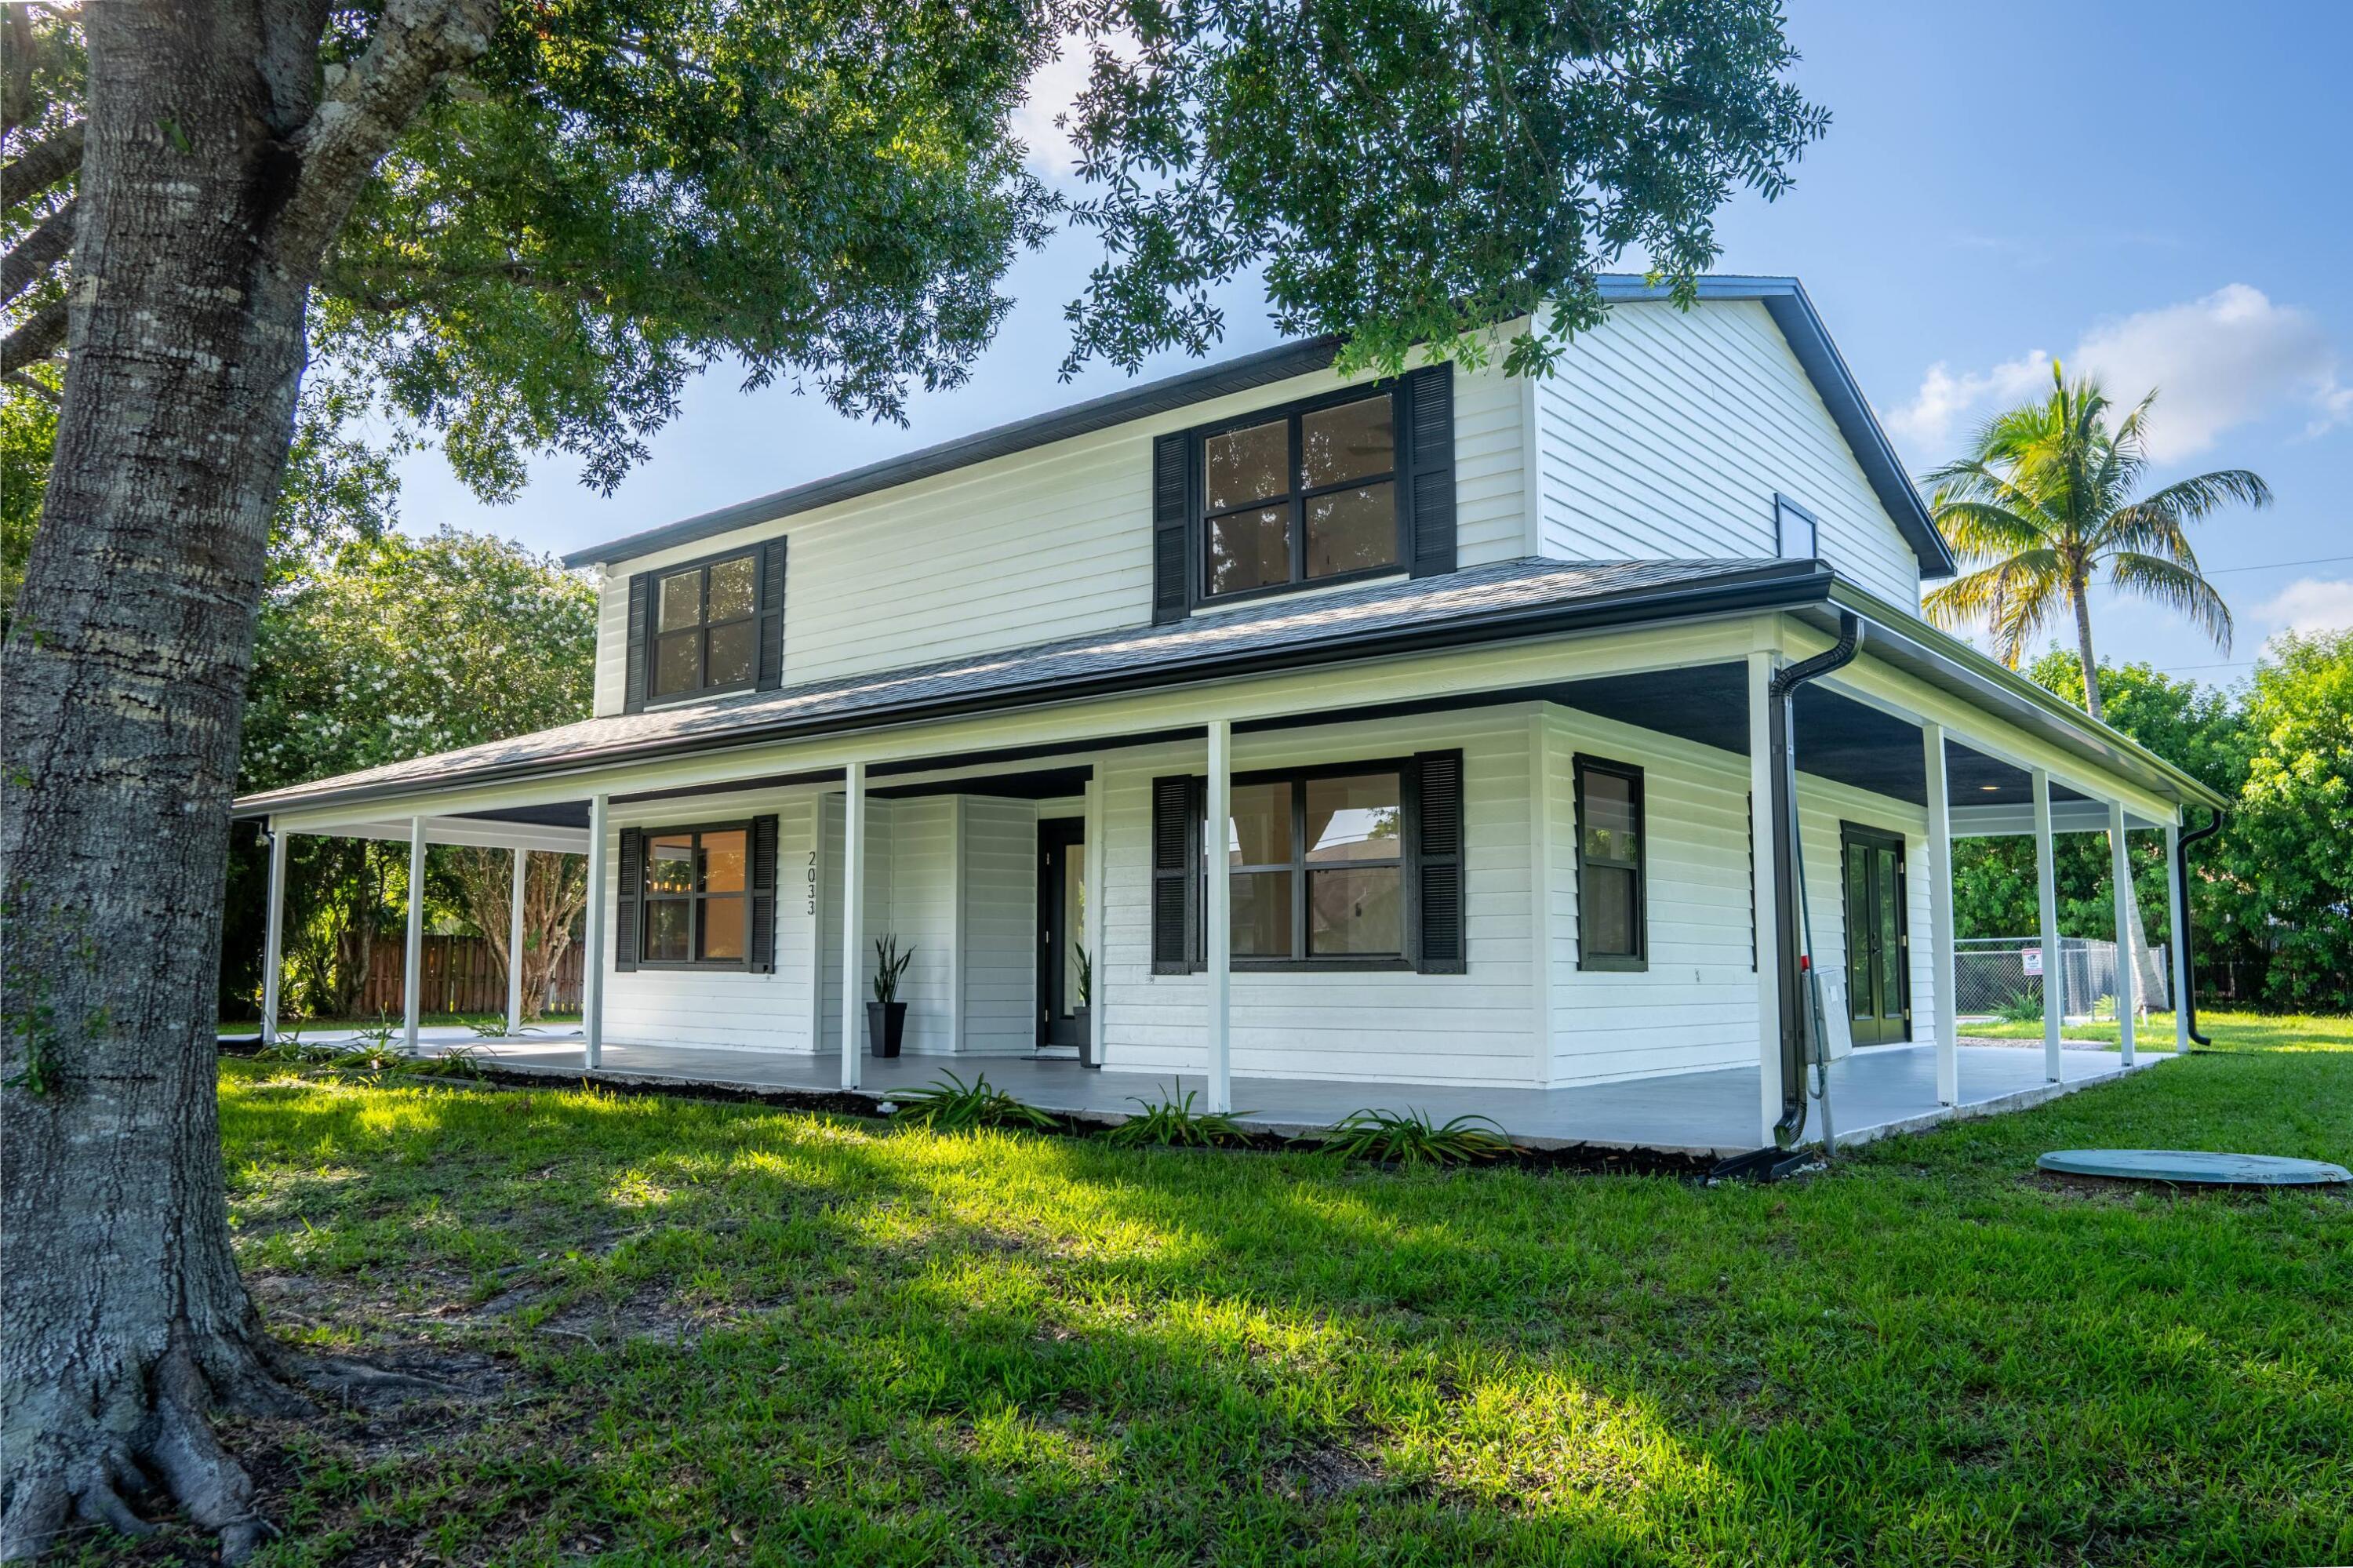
{"x":1062,"y":965}
{"x":1878,"y":946}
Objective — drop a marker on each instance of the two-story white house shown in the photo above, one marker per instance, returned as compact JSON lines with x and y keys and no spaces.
{"x":1472,"y":741}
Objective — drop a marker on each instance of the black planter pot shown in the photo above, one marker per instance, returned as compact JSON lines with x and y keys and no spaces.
{"x":886,"y":1025}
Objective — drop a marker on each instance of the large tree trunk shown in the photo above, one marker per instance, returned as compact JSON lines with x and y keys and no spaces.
{"x":206,"y":201}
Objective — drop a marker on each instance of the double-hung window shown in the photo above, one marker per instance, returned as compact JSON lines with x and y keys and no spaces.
{"x":706,"y":628}
{"x":1611,"y":921}
{"x":696,"y":890}
{"x":1317,"y":861}
{"x":1302,"y":495}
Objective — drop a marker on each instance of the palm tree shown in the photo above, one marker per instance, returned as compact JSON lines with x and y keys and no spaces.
{"x":2044,"y":507}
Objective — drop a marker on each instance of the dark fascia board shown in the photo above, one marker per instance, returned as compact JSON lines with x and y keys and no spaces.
{"x":1786,"y":300}
{"x":1781,"y":585}
{"x":1278,"y":364}
{"x":1982,"y":682}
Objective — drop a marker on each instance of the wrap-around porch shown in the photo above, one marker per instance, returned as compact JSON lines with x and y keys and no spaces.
{"x":1707,"y":1113}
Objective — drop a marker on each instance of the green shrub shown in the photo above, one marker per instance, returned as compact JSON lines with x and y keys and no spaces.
{"x":1409,"y":1138}
{"x":950,"y":1105}
{"x":1174,"y":1124}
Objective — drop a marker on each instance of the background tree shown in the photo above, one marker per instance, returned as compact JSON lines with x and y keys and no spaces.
{"x":528,"y":224}
{"x":383,"y":648}
{"x":2045,"y":506}
{"x":2288,"y":846}
{"x":2198,"y":729}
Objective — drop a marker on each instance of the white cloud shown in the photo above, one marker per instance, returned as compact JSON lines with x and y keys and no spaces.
{"x":2216,"y":363}
{"x":1051,"y":90}
{"x":1930,"y":421}
{"x":2309,"y":605}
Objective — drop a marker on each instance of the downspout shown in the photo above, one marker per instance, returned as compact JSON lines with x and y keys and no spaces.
{"x":2186,"y":983}
{"x":1788,"y":950}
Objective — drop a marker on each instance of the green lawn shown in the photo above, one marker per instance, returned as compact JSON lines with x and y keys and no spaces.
{"x":699,"y":1331}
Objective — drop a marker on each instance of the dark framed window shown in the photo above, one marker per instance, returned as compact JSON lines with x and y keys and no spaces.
{"x":1797,"y":532}
{"x":1307,"y":494}
{"x":694,"y":897}
{"x":1317,"y":859}
{"x":1611,"y":918}
{"x":706,"y":628}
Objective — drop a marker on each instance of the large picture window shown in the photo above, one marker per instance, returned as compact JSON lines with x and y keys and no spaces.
{"x":696,"y":893}
{"x":1307,"y":494}
{"x":1611,"y":922}
{"x":706,"y":630}
{"x":1317,"y":861}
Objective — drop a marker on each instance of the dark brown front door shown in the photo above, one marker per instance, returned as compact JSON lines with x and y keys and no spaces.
{"x":1062,"y":919}
{"x":1878,"y":946}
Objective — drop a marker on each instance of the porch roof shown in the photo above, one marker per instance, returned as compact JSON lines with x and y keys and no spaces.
{"x":1511,"y":598}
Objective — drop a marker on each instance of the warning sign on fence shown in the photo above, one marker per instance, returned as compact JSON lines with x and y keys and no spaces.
{"x":2032,"y":959}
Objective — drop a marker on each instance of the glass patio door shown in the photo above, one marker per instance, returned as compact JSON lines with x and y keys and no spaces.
{"x":1878,"y":956}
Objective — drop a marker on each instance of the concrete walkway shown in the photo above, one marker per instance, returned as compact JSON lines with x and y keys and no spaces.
{"x":1876,"y":1091}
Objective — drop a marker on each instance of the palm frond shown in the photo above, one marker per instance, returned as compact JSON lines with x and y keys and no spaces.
{"x":2201,"y":495}
{"x":2177,"y":587}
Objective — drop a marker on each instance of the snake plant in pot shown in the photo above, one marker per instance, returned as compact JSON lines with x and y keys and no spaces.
{"x":886,"y":1015}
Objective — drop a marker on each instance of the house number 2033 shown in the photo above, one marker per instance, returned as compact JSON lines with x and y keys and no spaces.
{"x":812,"y":883}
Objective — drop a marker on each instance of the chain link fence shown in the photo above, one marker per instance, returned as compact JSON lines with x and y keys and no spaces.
{"x":2003,"y":977}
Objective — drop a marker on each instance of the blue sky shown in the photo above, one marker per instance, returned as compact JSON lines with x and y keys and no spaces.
{"x":2158,"y":191}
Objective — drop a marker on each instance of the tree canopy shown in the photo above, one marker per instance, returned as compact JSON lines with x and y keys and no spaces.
{"x":2270,"y":894}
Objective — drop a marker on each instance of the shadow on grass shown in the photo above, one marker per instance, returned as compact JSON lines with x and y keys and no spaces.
{"x":869,"y":1346}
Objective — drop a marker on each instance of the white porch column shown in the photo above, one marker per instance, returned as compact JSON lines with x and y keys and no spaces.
{"x":853,"y":920}
{"x":1940,"y":916}
{"x":2178,"y":939}
{"x":1764,"y":832}
{"x":412,"y":984}
{"x":273,"y":941}
{"x":1218,"y":962}
{"x":592,"y":966}
{"x":2128,"y":974}
{"x":514,"y":942}
{"x":1092,"y":932}
{"x":2046,"y":901}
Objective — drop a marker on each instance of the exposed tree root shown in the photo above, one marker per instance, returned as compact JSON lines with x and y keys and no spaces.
{"x":137,"y":1450}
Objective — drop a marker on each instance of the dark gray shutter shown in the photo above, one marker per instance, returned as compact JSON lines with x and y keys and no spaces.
{"x":1436,"y":863}
{"x":763,"y":895}
{"x":772,"y":616}
{"x":1428,"y":401}
{"x":1175,"y":874}
{"x":630,"y":884}
{"x":633,"y":680}
{"x":1172,"y":560}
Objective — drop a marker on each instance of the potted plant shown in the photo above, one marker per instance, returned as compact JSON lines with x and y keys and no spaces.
{"x":886,"y":1015}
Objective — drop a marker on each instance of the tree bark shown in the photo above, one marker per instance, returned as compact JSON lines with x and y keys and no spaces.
{"x":203,"y":209}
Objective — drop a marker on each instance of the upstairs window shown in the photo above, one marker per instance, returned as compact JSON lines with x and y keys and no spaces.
{"x":1309,"y":495}
{"x":706,"y":627}
{"x":1797,"y":532}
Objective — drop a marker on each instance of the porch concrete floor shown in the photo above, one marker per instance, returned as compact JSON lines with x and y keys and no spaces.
{"x":1876,"y":1091}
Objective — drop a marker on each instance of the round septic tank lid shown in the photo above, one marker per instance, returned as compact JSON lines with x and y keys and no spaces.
{"x":2194,"y":1167}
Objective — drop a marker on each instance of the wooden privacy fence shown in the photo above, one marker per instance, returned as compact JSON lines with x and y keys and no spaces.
{"x":461,"y":975}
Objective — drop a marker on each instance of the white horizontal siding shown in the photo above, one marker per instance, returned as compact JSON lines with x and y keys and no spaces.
{"x":1054,"y":542}
{"x":1664,"y":435}
{"x":1000,"y":926}
{"x":718,"y":1007}
{"x":1695,"y":1005}
{"x":1474,"y":1028}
